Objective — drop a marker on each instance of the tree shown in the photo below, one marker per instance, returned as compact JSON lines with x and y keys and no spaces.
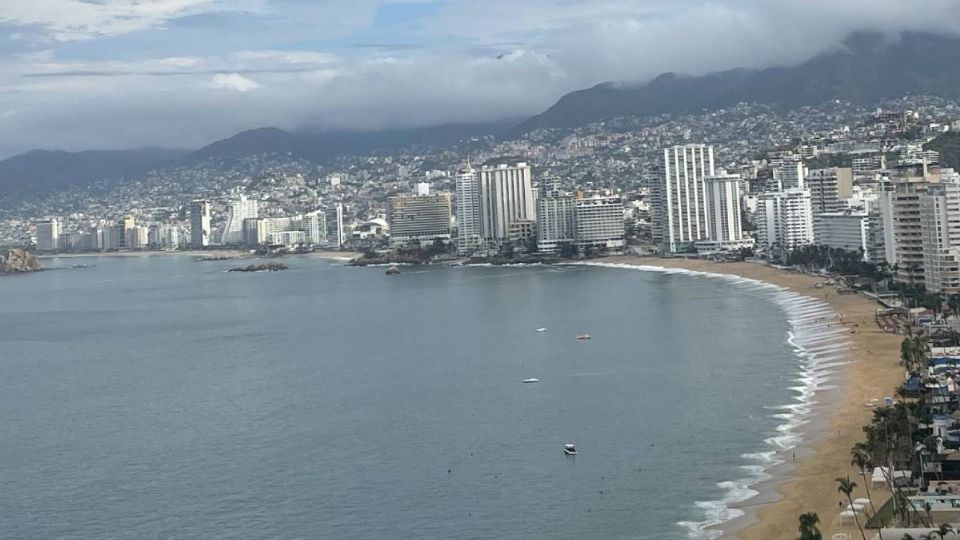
{"x":808,"y":526}
{"x":861,"y":460}
{"x":942,"y":530}
{"x":846,"y":486}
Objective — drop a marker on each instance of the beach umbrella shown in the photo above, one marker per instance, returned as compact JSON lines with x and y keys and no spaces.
{"x":861,"y":500}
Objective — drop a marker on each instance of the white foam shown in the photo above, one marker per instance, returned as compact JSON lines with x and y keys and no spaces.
{"x":820,"y":343}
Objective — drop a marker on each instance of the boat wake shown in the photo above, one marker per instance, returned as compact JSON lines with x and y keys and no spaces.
{"x":820,"y":344}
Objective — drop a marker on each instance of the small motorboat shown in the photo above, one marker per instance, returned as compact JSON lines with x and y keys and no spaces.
{"x":569,"y":449}
{"x":393,"y":270}
{"x":541,"y":329}
{"x":583,"y":337}
{"x":531,"y":380}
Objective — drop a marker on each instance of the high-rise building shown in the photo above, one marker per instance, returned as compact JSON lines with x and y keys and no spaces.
{"x":940,"y":235}
{"x":137,"y":237}
{"x":506,"y":196}
{"x":239,"y":210}
{"x":315,"y":228}
{"x":336,"y":235}
{"x":829,"y":188}
{"x":257,"y":231}
{"x":556,"y":222}
{"x":469,"y":237}
{"x":679,"y":216}
{"x":600,"y":223}
{"x":907,"y":230}
{"x":843,"y":230}
{"x":419,"y":218}
{"x":48,"y":235}
{"x":784,"y":219}
{"x":722,"y":201}
{"x":790,"y":172}
{"x":199,"y":224}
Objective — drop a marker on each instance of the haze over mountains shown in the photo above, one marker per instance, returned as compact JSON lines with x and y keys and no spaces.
{"x":868,"y":69}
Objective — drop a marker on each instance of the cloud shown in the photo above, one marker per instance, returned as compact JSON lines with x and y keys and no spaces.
{"x":121,"y":73}
{"x":234,"y":82}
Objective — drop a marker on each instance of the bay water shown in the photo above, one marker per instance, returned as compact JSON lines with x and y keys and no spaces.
{"x":160,"y":397}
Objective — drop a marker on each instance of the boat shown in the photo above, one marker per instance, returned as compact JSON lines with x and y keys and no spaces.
{"x":393,"y":270}
{"x":583,"y":337}
{"x":569,"y":449}
{"x":541,"y":329}
{"x":531,"y":380}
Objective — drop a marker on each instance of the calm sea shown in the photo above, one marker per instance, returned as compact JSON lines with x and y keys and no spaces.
{"x":159,"y":397}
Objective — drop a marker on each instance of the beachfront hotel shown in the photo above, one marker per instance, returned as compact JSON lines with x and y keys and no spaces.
{"x":784,"y":219}
{"x":506,"y":197}
{"x":678,"y":200}
{"x":419,"y":218}
{"x":469,"y":238}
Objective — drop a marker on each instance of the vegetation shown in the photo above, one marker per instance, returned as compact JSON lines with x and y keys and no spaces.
{"x":948,"y":145}
{"x":860,"y":459}
{"x":846,"y":486}
{"x":808,"y":526}
{"x":836,"y":261}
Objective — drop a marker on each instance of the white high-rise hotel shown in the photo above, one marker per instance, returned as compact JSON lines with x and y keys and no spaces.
{"x":468,"y":211}
{"x":240,"y":209}
{"x":692,"y":203}
{"x":489,"y":201}
{"x":784,"y":219}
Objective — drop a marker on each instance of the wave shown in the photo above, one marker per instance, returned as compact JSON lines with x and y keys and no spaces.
{"x":820,"y":344}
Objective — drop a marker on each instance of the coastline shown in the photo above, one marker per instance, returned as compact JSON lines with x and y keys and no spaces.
{"x":231,"y":253}
{"x":832,"y":425}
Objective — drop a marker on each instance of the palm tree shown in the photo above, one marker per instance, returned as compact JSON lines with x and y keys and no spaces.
{"x":846,"y":486}
{"x":808,"y":526}
{"x":942,"y":530}
{"x":861,"y":460}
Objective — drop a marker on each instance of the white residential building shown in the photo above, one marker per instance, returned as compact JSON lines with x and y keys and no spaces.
{"x":506,"y":197}
{"x":600,"y":224}
{"x":199,"y":224}
{"x":556,"y":222}
{"x":239,"y":210}
{"x":940,"y":235}
{"x":315,"y":228}
{"x":784,"y":219}
{"x":843,"y":230}
{"x":48,"y":235}
{"x":722,"y":200}
{"x":829,"y":188}
{"x":469,"y":237}
{"x":678,"y":205}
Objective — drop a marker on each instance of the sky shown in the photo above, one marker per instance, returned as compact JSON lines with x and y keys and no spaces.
{"x":109,"y":74}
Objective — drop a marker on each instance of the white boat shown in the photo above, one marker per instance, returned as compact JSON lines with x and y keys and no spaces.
{"x":541,"y":329}
{"x":583,"y":337}
{"x":569,"y":449}
{"x":531,"y":380}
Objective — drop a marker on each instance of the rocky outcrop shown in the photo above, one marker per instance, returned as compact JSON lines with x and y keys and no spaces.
{"x":267,"y":267}
{"x":19,"y":261}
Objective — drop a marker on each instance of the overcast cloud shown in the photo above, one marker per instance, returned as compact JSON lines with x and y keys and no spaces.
{"x":80,"y":74}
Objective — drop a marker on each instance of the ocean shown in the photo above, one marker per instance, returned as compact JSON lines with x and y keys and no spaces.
{"x":160,"y":397}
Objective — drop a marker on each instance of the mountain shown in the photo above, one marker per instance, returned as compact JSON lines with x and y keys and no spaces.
{"x":43,"y":171}
{"x":866,"y":69}
{"x":318,"y":146}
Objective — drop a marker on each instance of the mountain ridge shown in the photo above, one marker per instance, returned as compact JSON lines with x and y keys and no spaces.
{"x":866,"y":69}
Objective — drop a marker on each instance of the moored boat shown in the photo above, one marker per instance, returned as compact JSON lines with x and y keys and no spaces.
{"x":569,"y":449}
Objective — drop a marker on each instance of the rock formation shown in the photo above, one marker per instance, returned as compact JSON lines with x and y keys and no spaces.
{"x":19,"y":261}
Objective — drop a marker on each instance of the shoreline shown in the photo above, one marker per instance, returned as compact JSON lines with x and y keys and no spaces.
{"x":229,"y":253}
{"x":834,"y":421}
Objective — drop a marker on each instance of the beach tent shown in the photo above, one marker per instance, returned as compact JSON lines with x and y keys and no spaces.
{"x":879,"y":476}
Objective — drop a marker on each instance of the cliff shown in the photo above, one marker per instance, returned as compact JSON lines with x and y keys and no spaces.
{"x":19,"y":261}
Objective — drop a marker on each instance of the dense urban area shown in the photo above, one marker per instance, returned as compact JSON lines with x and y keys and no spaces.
{"x":748,"y":180}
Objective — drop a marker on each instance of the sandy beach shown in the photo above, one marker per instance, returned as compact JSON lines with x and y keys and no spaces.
{"x":808,"y":484}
